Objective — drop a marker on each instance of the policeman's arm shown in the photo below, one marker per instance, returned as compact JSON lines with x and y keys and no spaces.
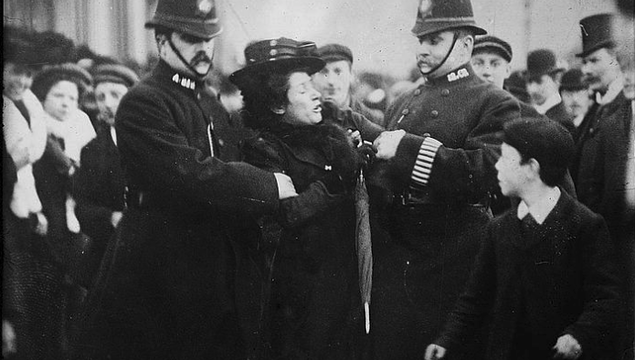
{"x":463,"y":172}
{"x":152,"y":142}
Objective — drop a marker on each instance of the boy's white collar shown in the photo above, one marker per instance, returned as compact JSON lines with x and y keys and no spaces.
{"x":541,"y":209}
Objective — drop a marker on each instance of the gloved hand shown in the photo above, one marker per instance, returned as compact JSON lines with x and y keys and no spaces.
{"x":366,"y":155}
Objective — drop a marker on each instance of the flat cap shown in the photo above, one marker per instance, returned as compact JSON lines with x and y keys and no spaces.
{"x":493,"y":44}
{"x":335,"y":52}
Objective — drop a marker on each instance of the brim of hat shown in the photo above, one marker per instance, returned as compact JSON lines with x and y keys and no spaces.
{"x":492,"y":49}
{"x":536,"y":75}
{"x":585,"y":52}
{"x":430,"y":27}
{"x":247,"y":77}
{"x":201,"y":30}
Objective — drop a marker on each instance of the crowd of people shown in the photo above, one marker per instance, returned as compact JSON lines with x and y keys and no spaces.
{"x":297,"y":209}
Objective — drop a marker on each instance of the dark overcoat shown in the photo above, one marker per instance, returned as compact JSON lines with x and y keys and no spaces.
{"x":167,"y":286}
{"x":587,"y":143}
{"x":423,"y":251}
{"x":615,"y":154}
{"x":559,"y":113}
{"x":99,"y":189}
{"x":315,"y":301}
{"x":535,"y":286}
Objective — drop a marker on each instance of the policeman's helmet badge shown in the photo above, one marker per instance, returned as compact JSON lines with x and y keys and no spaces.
{"x":204,"y":7}
{"x":425,"y":8}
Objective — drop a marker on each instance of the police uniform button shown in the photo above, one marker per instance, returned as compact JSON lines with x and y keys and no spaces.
{"x":198,"y":96}
{"x":221,"y":142}
{"x":417,"y":92}
{"x":434,"y":113}
{"x":445,"y":92}
{"x":405,"y":112}
{"x":426,"y":135}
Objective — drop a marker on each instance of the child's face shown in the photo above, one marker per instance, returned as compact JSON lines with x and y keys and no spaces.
{"x":512,"y":174}
{"x":491,"y":67}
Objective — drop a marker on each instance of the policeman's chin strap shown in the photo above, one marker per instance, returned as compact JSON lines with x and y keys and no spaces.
{"x":189,"y":66}
{"x":454,"y":39}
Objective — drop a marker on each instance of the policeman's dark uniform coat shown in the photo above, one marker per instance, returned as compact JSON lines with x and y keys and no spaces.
{"x":167,"y":283}
{"x":539,"y":282}
{"x":425,"y":241}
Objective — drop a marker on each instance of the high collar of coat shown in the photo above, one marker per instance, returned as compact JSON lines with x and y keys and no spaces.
{"x":459,"y":75}
{"x":164,"y":71}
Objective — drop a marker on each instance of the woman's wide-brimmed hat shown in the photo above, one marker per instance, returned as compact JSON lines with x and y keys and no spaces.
{"x":280,"y":55}
{"x":51,"y":75}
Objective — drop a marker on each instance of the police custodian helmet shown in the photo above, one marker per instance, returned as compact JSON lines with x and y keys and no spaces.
{"x":440,"y":15}
{"x":193,"y":17}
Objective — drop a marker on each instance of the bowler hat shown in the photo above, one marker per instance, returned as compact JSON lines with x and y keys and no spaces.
{"x":51,"y":75}
{"x":276,"y":55}
{"x":541,"y":62}
{"x":597,"y":32}
{"x":335,"y":52}
{"x":115,"y":73}
{"x":193,"y":17}
{"x":493,"y":44}
{"x":572,"y":80}
{"x":439,"y":15}
{"x":543,"y":139}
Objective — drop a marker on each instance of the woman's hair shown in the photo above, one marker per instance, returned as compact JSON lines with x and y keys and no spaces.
{"x":268,"y":92}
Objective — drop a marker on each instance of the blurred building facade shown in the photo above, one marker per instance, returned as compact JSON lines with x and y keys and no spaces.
{"x":378,"y":31}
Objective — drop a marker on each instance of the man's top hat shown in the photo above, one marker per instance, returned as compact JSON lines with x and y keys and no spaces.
{"x":115,"y":73}
{"x":335,"y":52}
{"x":193,"y":17}
{"x":51,"y":75}
{"x":597,"y":32}
{"x":572,"y":80}
{"x":541,"y":62}
{"x":439,"y":15}
{"x":493,"y":44}
{"x":276,"y":55}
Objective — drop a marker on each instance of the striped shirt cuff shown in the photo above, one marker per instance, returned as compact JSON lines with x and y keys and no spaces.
{"x":423,"y":164}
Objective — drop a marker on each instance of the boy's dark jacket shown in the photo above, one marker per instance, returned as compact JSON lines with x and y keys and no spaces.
{"x":562,"y":280}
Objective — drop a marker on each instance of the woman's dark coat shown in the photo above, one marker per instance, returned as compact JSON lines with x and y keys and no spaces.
{"x":315,"y":304}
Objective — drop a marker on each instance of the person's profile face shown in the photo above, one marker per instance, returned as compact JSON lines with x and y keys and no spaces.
{"x":433,"y":49}
{"x":600,"y":68}
{"x":108,"y":96}
{"x":491,"y":67}
{"x":61,"y":100}
{"x":512,"y":174}
{"x":304,"y":107}
{"x":334,"y":82}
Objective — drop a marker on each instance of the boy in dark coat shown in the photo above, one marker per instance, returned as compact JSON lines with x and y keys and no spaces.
{"x":544,"y":277}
